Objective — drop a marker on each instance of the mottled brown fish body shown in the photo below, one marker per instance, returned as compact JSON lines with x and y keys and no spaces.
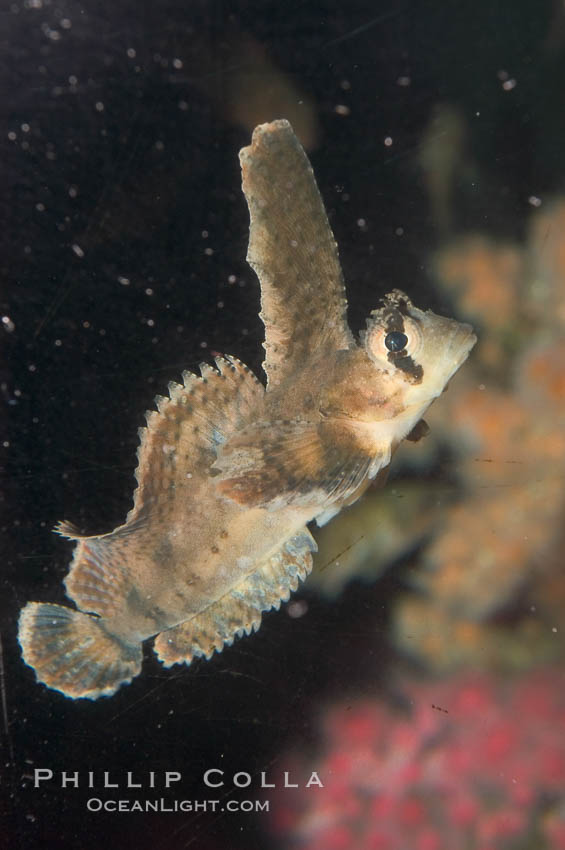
{"x":229,"y":472}
{"x":188,"y":570}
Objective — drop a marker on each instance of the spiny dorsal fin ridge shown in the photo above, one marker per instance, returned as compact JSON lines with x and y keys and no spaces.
{"x":69,"y":530}
{"x":182,"y":435}
{"x":239,"y":611}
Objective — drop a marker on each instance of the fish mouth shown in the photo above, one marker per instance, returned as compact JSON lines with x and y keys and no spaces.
{"x":458,"y":340}
{"x":459,"y":348}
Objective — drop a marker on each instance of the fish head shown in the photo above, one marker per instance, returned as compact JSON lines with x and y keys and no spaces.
{"x":415,"y":351}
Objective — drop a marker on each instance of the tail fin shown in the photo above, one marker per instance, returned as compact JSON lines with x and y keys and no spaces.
{"x":72,"y":652}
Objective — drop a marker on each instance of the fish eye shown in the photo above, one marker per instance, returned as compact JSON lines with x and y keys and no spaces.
{"x":396,"y":340}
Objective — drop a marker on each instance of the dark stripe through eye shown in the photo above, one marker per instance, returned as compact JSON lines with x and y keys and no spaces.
{"x":396,"y":341}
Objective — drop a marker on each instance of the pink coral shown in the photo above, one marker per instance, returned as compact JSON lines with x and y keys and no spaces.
{"x":474,"y":764}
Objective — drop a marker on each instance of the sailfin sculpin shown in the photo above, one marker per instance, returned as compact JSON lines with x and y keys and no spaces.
{"x":230,"y":471}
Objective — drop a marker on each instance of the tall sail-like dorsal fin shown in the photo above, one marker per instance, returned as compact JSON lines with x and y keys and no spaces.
{"x":293,"y":251}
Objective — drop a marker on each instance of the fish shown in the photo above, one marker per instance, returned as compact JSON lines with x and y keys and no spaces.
{"x":231,"y":470}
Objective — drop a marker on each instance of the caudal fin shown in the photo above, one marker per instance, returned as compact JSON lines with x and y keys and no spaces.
{"x":72,"y":652}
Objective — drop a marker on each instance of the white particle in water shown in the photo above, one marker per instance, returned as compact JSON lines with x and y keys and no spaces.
{"x":78,"y":250}
{"x":534,"y":201}
{"x":125,"y":281}
{"x":99,"y":106}
{"x":297,"y":609}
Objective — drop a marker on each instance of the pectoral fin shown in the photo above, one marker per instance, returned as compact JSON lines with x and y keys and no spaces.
{"x":421,"y":429}
{"x":299,"y":463}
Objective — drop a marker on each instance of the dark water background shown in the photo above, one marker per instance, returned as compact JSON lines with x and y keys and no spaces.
{"x":134,"y":182}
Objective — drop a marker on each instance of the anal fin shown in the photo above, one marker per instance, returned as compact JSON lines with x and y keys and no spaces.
{"x":239,"y":611}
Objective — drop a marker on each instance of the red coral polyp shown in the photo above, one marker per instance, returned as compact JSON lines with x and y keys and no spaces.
{"x":477,"y":764}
